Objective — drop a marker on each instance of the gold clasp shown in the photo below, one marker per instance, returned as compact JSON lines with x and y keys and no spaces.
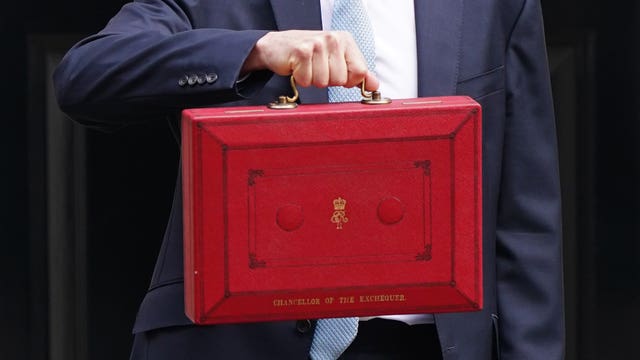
{"x":373,"y":97}
{"x":286,"y":102}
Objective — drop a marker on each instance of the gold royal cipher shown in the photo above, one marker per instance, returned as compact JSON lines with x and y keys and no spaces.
{"x":339,"y":216}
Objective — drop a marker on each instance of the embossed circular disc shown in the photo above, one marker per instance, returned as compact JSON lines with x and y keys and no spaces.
{"x":290,"y":217}
{"x":390,"y":210}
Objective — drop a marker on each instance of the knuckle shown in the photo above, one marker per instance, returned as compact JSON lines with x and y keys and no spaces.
{"x":318,"y":44}
{"x":331,"y":38}
{"x":304,"y":51}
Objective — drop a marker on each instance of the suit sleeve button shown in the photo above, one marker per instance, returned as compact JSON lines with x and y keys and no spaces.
{"x":211,"y":78}
{"x":183,"y":81}
{"x":193,"y":79}
{"x":201,"y":79}
{"x":303,"y":326}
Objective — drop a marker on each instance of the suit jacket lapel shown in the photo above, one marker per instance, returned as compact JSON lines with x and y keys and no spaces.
{"x":438,"y":32}
{"x":301,"y":15}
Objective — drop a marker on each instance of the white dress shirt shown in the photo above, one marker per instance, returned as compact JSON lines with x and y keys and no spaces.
{"x":394,"y":28}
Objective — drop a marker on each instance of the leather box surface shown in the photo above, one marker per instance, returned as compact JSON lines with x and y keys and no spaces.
{"x":332,"y":210}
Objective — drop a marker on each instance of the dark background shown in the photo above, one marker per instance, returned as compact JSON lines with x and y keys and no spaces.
{"x":61,"y":185}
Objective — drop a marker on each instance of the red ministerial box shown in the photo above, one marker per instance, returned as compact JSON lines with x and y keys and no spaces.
{"x":332,"y":210}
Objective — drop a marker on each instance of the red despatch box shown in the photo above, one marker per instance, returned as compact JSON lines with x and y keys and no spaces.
{"x":332,"y":210}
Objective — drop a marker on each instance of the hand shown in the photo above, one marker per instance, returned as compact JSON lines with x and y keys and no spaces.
{"x":319,"y":58}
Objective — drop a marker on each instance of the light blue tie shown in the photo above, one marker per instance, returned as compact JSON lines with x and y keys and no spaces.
{"x":333,"y":336}
{"x":351,"y":16}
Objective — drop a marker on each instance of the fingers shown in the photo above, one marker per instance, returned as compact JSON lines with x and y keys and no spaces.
{"x":355,"y":62}
{"x":300,"y":63}
{"x":318,"y":58}
{"x":325,"y":48}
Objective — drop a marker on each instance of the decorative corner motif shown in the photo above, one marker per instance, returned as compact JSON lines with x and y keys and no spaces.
{"x":425,"y":165}
{"x":339,"y":216}
{"x":253,"y":174}
{"x":426,"y":255}
{"x":254,"y":263}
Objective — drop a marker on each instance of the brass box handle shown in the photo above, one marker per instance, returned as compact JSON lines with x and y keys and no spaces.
{"x":286,"y":102}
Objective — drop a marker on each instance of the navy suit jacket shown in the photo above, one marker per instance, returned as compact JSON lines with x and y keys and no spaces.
{"x":491,"y":50}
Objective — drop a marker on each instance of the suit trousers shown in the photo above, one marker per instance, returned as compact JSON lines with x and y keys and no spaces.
{"x":380,"y":339}
{"x":377,"y":339}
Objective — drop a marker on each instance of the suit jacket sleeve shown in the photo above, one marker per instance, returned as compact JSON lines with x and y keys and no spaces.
{"x":132,"y":69}
{"x":529,"y":261}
